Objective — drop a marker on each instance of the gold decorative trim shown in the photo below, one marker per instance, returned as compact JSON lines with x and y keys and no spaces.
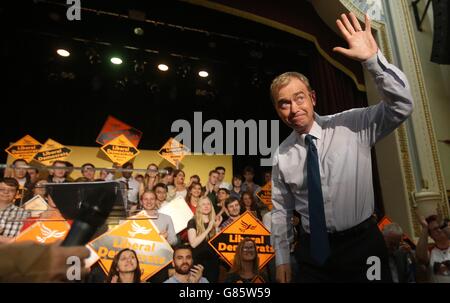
{"x":282,"y":27}
{"x":401,"y":131}
{"x":443,"y":207}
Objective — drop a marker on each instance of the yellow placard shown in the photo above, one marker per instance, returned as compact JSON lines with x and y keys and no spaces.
{"x":265,"y":195}
{"x":247,"y":225}
{"x":45,"y":232}
{"x":120,"y":150}
{"x":139,"y":234}
{"x":52,"y":151}
{"x":173,"y":151}
{"x":26,"y":148}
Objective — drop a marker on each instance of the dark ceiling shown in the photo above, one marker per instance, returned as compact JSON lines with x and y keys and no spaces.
{"x":68,"y":99}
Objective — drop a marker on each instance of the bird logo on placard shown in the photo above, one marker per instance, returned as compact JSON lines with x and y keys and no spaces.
{"x":245,"y":226}
{"x":48,"y":233}
{"x":137,"y":229}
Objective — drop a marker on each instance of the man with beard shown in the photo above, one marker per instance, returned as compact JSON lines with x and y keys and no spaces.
{"x":185,"y":270}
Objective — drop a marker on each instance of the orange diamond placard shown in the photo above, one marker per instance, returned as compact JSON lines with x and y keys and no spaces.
{"x":173,"y":151}
{"x":265,"y":195}
{"x":141,"y":235}
{"x":45,"y":232}
{"x":52,"y":151}
{"x":247,"y":225}
{"x":120,"y":150}
{"x":26,"y":148}
{"x":113,"y":128}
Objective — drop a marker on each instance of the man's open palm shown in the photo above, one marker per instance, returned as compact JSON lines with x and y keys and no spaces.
{"x":361,"y":43}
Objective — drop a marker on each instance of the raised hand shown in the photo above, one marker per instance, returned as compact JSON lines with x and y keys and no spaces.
{"x":361,"y":43}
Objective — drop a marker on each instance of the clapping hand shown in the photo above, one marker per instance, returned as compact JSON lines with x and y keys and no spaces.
{"x":196,"y":273}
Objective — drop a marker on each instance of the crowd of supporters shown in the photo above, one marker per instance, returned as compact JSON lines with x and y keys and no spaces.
{"x":215,"y":204}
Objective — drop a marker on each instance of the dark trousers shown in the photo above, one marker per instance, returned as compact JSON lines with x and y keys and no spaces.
{"x":348,"y":261}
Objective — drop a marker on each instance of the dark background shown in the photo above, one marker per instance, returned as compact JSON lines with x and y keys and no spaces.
{"x":68,"y":99}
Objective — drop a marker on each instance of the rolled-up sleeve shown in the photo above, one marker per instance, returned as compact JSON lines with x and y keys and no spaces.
{"x":282,"y":212}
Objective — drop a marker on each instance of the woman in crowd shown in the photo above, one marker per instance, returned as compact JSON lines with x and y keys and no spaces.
{"x":125,"y":268}
{"x":245,"y":267}
{"x":151,"y":177}
{"x":248,"y":203}
{"x":194,"y":193}
{"x":201,"y":229}
{"x":180,"y":188}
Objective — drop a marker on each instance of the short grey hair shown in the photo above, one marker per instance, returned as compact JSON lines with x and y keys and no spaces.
{"x":393,"y":228}
{"x":282,"y":80}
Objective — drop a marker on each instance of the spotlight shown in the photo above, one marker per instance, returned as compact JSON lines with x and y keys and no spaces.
{"x":116,"y":60}
{"x":203,"y":74}
{"x":138,"y":31}
{"x":163,"y":67}
{"x":62,"y":52}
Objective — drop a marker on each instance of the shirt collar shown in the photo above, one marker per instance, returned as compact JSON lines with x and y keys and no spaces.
{"x":315,"y":131}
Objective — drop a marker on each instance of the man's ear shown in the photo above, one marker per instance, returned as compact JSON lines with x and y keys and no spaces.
{"x":313,"y":97}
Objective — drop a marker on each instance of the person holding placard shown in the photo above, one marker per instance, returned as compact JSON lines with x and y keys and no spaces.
{"x":163,"y":222}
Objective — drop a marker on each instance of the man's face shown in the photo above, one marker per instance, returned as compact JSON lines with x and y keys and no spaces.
{"x":234,"y":208}
{"x":222,"y":195}
{"x":19,"y":172}
{"x":237,"y":182}
{"x":59,"y":173}
{"x":221,"y":175}
{"x":213,"y":178}
{"x":7,"y":193}
{"x":161,"y":194}
{"x":179,"y":179}
{"x":34,"y":175}
{"x":149,"y":201}
{"x":39,"y":189}
{"x":267,"y":177}
{"x":127,"y":175}
{"x":294,"y":104}
{"x":182,"y":261}
{"x":88,"y":172}
{"x":248,"y":176}
{"x":392,"y":242}
{"x":169,"y":179}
